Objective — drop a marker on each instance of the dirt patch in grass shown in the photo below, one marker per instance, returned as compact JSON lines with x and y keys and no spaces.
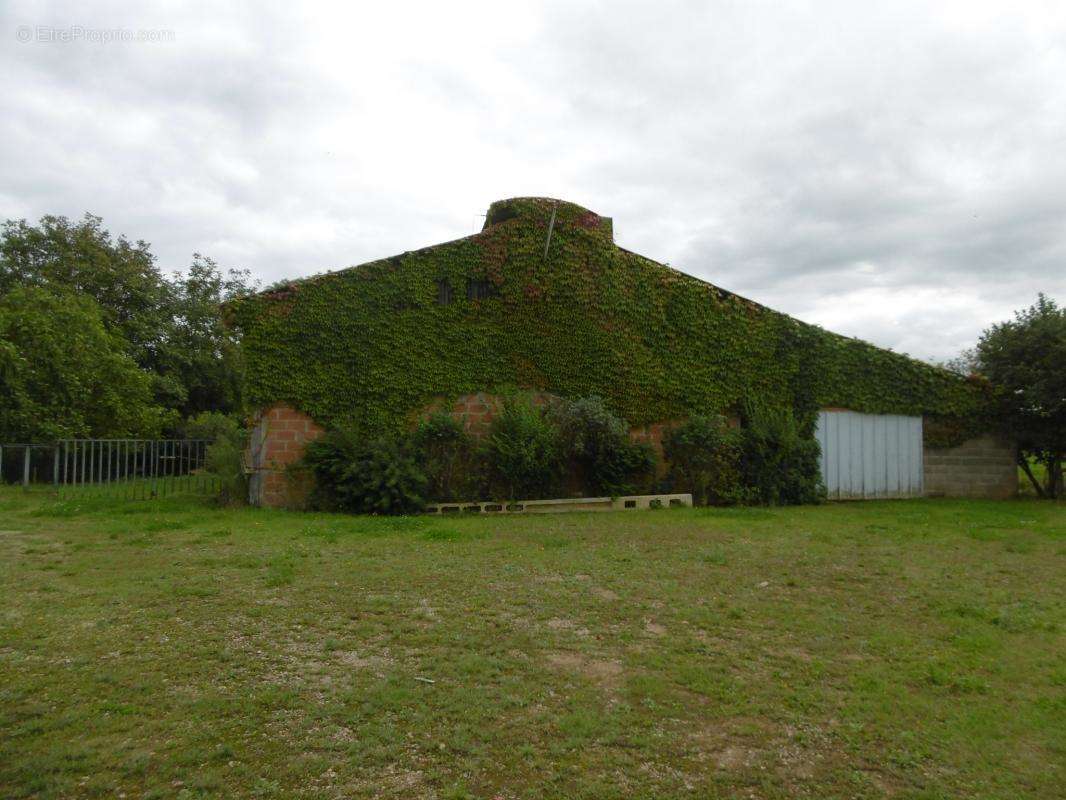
{"x":602,"y":672}
{"x":606,"y":595}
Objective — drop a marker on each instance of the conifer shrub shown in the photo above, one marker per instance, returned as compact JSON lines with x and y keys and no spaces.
{"x":448,"y":458}
{"x":523,"y":452}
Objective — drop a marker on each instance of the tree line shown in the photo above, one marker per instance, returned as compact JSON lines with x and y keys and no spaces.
{"x":96,"y":341}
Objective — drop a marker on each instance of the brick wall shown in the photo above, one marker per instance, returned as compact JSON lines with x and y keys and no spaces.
{"x":476,"y":412}
{"x":279,"y":435}
{"x":983,"y":467}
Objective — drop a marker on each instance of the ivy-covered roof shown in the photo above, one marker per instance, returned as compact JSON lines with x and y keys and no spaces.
{"x":542,"y":298}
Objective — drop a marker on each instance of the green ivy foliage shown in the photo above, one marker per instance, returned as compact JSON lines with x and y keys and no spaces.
{"x":366,"y":348}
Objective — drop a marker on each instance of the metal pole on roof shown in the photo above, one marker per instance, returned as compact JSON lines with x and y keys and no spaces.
{"x":551,"y":227}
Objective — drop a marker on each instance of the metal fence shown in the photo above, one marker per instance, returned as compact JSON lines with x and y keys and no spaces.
{"x":126,"y":468}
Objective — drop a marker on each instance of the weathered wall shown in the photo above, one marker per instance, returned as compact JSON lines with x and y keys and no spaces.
{"x":983,"y":467}
{"x":476,"y":412}
{"x":279,"y":436}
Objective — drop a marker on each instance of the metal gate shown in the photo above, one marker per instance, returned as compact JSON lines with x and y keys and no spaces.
{"x":870,"y":455}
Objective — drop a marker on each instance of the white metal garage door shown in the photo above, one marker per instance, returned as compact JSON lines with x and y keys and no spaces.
{"x":870,"y":455}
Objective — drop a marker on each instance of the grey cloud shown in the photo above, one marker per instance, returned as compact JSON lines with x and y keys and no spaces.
{"x":894,"y":172}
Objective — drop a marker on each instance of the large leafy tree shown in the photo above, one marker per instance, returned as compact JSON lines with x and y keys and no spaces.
{"x":82,"y":257}
{"x":1025,"y":359}
{"x":170,"y":327}
{"x":63,"y":374}
{"x":201,"y":356}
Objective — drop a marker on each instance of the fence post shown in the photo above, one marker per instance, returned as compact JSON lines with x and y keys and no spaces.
{"x":26,"y":467}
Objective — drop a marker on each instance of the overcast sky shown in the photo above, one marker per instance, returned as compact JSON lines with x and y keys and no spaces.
{"x":894,"y":171}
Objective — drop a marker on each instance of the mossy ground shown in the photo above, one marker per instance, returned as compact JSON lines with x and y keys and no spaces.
{"x":169,"y":649}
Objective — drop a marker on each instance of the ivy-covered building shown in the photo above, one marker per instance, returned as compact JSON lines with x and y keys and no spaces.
{"x":543,"y":299}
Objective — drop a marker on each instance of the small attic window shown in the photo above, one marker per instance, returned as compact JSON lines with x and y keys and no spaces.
{"x":481,"y":289}
{"x":444,"y":292}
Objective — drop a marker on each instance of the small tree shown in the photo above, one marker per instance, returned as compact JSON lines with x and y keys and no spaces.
{"x":780,"y":457}
{"x":446,"y":455}
{"x":597,"y":444}
{"x":523,"y":452}
{"x":704,"y":455}
{"x":1025,"y":359}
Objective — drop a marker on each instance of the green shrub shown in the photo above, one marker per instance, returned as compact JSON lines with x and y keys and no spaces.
{"x":780,"y":457}
{"x":446,"y":455}
{"x":211,"y":425}
{"x":522,"y":452}
{"x":225,"y":460}
{"x":379,"y":476}
{"x":704,"y":454}
{"x":329,"y":459}
{"x":597,"y":446}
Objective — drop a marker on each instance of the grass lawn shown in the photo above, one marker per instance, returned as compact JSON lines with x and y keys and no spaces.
{"x":910,"y":649}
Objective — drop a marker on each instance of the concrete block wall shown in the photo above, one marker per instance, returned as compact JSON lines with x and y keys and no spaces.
{"x":982,"y":467}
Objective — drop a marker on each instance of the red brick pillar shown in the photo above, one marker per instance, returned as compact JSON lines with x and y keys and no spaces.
{"x":279,"y":435}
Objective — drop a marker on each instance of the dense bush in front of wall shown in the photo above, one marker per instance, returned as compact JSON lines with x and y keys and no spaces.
{"x":523,"y":453}
{"x":569,"y":448}
{"x":704,"y":454}
{"x":779,"y":457}
{"x":376,"y":476}
{"x":543,"y":299}
{"x":448,"y":457}
{"x":598,"y":450}
{"x":573,"y":447}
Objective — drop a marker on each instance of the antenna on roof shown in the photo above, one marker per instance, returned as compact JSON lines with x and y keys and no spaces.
{"x":551,"y":227}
